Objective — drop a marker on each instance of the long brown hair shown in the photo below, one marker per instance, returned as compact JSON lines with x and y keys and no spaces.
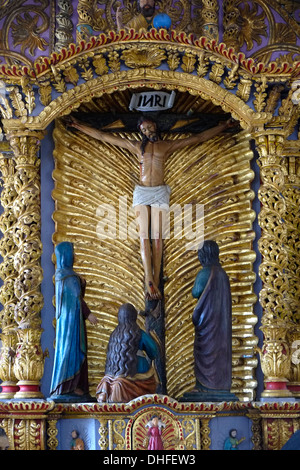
{"x":123,"y":344}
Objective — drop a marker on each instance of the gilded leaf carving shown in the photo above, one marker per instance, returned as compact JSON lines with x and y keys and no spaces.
{"x":143,"y":57}
{"x":100,"y":65}
{"x":26,"y":32}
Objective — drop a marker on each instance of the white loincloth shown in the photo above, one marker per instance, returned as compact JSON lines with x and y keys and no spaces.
{"x":154,"y":196}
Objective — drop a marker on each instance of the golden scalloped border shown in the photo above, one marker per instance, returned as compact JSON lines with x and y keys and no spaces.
{"x":43,"y":64}
{"x":134,"y":406}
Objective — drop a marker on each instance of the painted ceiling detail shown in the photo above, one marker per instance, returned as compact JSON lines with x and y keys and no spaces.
{"x":266,"y":30}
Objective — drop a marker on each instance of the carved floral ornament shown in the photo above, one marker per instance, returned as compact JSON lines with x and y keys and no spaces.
{"x":60,"y":83}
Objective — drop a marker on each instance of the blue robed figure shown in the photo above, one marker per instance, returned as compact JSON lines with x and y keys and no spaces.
{"x":70,"y":370}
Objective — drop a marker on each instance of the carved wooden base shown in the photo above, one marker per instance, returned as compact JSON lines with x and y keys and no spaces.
{"x":28,"y":389}
{"x":294,"y":388}
{"x":276,"y":389}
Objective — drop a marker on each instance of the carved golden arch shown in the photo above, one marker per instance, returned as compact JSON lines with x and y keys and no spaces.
{"x":255,"y":122}
{"x":143,"y":77}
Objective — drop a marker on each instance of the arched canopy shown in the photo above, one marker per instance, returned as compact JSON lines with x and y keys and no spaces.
{"x":58,"y":84}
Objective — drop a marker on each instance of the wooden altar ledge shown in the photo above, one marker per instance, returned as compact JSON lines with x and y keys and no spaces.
{"x":45,"y":425}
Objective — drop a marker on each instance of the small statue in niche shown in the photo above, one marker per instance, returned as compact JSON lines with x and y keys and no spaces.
{"x":70,"y":370}
{"x":129,"y":372}
{"x":154,"y":433}
{"x":232,"y":442}
{"x":212,"y":319}
{"x":76,"y":442}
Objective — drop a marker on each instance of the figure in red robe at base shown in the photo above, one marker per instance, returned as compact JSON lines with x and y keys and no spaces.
{"x":155,"y":433}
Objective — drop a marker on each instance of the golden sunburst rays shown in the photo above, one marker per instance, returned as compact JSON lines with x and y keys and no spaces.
{"x":218,"y":176}
{"x":90,"y":181}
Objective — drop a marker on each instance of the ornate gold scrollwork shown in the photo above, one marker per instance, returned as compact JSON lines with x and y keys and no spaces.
{"x":276,"y":321}
{"x":292,"y":195}
{"x":104,"y":434}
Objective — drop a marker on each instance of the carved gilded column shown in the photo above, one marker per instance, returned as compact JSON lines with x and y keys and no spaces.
{"x":294,"y":373}
{"x":209,"y":15}
{"x":29,"y":359}
{"x":231,"y":25}
{"x":8,"y":275}
{"x":52,"y":431}
{"x":205,"y":432}
{"x":104,"y":434}
{"x":275,"y":354}
{"x":64,"y":30}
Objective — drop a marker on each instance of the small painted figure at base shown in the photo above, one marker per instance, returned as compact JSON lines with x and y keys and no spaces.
{"x":129,"y":371}
{"x":76,"y":443}
{"x":70,"y":370}
{"x":4,"y":442}
{"x":154,"y":433}
{"x":232,"y":442}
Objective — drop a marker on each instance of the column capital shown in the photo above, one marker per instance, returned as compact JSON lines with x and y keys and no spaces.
{"x":25,"y":143}
{"x":270,"y":143}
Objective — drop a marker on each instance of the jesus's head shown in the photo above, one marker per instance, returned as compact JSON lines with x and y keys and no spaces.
{"x":148,"y":129}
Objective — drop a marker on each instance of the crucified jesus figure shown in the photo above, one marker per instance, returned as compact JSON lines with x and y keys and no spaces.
{"x":151,"y":196}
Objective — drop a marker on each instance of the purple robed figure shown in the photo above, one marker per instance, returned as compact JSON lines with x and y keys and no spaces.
{"x":212,"y":319}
